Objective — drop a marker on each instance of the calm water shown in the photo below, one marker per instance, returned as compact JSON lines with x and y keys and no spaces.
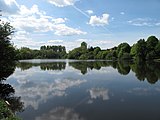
{"x":87,"y":90}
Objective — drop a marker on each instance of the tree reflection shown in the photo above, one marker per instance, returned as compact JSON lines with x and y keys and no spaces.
{"x":123,"y":67}
{"x":7,"y":68}
{"x":44,"y":66}
{"x":6,"y":90}
{"x":143,"y":70}
{"x":53,"y":66}
{"x":84,"y":66}
{"x":147,"y":71}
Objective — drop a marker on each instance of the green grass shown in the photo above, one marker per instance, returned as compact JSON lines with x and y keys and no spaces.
{"x":5,"y":112}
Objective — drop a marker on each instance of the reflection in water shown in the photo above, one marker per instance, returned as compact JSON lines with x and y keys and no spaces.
{"x":123,"y":67}
{"x":83,"y":66}
{"x":99,"y":93}
{"x":35,"y":93}
{"x":148,"y":70}
{"x":60,"y":113}
{"x":43,"y":66}
{"x":46,"y":86}
{"x":6,"y":90}
{"x":143,"y":70}
{"x":6,"y":69}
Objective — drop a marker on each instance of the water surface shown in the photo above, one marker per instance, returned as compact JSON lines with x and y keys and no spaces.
{"x":87,"y":90}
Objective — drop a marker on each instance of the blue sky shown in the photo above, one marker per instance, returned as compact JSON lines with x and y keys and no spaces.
{"x":104,"y":23}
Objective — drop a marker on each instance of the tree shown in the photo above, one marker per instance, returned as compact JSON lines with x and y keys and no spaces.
{"x":123,"y":48}
{"x":84,"y":45}
{"x":157,"y":50}
{"x":7,"y":51}
{"x":133,"y":51}
{"x":141,"y":50}
{"x":151,"y":42}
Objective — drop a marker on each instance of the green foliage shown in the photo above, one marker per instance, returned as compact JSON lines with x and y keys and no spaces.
{"x":157,"y":49}
{"x":84,"y":45}
{"x":75,"y":53}
{"x":141,"y":50}
{"x":123,"y":48}
{"x":25,"y":53}
{"x":6,"y":113}
{"x":126,"y":56}
{"x":151,"y":42}
{"x":45,"y":52}
{"x":9,"y":103}
{"x":80,"y":52}
{"x":7,"y":51}
{"x":151,"y":55}
{"x":83,"y":57}
{"x":133,"y":51}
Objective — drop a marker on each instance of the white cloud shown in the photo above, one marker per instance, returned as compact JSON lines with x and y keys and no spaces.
{"x":99,"y":21}
{"x":29,"y":21}
{"x":55,"y":41}
{"x":89,"y":12}
{"x":9,"y":6}
{"x":122,"y":13}
{"x":59,"y":20}
{"x":63,"y":30}
{"x":62,"y":3}
{"x":144,"y":22}
{"x":60,"y":113}
{"x":23,"y":39}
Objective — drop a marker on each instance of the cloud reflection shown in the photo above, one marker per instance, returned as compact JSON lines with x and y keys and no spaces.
{"x":35,"y":93}
{"x":60,"y":113}
{"x":99,"y":93}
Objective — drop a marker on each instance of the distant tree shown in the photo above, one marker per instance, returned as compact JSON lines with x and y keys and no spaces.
{"x":133,"y":51}
{"x":141,"y":50}
{"x":25,"y":53}
{"x":157,"y":49}
{"x":123,"y":48}
{"x":151,"y":42}
{"x":96,"y":51}
{"x":84,"y":45}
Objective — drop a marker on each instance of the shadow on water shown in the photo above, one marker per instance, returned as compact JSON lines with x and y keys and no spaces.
{"x":7,"y":92}
{"x":143,"y":70}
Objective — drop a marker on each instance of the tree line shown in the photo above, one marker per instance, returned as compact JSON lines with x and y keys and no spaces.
{"x":142,"y":50}
{"x":45,"y":52}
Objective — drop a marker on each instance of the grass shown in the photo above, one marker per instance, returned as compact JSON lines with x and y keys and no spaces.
{"x":5,"y":112}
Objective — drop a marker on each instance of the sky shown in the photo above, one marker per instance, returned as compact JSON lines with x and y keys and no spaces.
{"x":103,"y":23}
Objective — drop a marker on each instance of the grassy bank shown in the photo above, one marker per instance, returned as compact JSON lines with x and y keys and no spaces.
{"x":5,"y":112}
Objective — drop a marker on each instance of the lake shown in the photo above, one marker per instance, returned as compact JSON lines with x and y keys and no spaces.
{"x":87,"y":90}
